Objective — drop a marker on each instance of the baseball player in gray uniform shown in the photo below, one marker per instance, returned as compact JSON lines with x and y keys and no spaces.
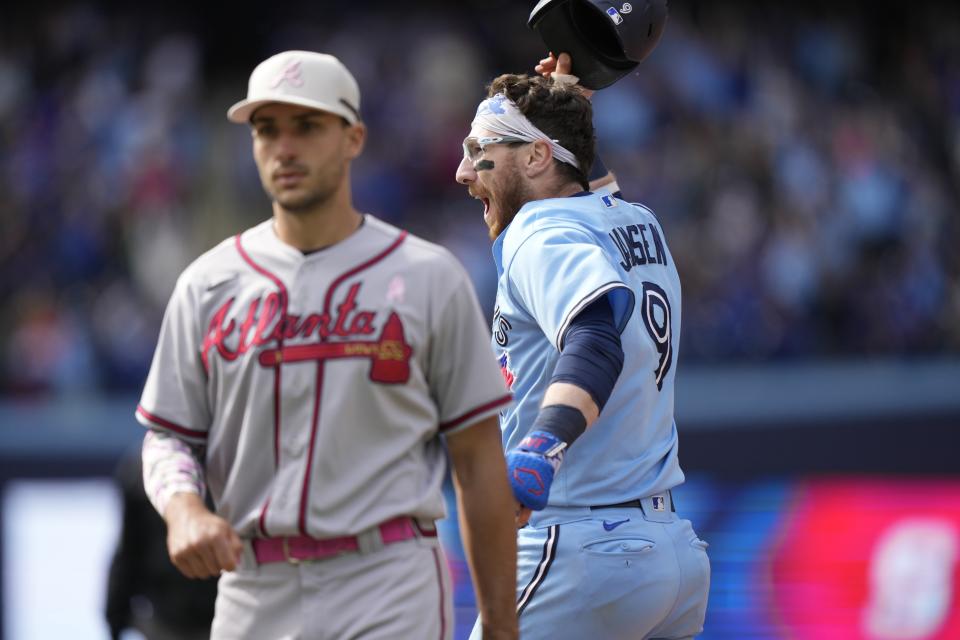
{"x":304,"y":373}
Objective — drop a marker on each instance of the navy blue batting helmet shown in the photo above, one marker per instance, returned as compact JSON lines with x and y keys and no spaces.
{"x":606,"y":40}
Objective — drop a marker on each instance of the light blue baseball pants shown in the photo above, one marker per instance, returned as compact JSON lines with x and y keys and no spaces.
{"x":616,"y":573}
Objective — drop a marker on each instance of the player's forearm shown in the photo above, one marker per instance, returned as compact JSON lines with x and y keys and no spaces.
{"x":486,"y":510}
{"x":490,"y":540}
{"x":571,"y":395}
{"x":496,"y":596}
{"x":183,"y":506}
{"x":170,"y":467}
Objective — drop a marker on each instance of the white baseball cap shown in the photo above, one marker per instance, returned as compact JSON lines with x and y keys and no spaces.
{"x":305,"y":78}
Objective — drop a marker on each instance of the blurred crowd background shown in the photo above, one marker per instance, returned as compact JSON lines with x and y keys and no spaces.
{"x":804,"y":160}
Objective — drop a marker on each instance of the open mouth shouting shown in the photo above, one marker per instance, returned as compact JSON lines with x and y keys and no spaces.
{"x":484,"y":199}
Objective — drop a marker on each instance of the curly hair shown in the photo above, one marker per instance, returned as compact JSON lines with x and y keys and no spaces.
{"x":559,"y":110}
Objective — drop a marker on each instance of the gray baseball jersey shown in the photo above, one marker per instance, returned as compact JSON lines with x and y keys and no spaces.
{"x":318,"y":383}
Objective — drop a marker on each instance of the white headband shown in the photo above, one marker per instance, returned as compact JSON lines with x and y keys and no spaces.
{"x":498,"y":114}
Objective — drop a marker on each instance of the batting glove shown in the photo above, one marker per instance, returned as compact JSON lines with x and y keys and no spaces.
{"x":531,"y":467}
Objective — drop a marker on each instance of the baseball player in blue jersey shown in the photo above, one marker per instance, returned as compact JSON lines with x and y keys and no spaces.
{"x":586,"y":329}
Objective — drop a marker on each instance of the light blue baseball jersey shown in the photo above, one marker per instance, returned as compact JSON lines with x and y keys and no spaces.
{"x":555,"y":258}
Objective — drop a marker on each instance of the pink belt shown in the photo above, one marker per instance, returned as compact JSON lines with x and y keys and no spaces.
{"x":296,"y":549}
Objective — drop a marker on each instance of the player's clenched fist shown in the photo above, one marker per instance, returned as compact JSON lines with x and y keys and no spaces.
{"x":531,"y":467}
{"x":201,"y":544}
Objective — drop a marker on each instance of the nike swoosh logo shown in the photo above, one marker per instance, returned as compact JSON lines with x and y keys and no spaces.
{"x":610,"y":526}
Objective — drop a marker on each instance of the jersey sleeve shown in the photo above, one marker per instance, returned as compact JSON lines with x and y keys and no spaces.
{"x":464,"y":377}
{"x":557,"y":271}
{"x":174,"y":397}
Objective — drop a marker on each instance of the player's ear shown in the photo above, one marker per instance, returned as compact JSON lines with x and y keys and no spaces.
{"x":538,"y":157}
{"x":356,"y":138}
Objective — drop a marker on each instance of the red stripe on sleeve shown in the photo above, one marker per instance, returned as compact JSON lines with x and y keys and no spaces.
{"x":450,"y":424}
{"x":166,"y":424}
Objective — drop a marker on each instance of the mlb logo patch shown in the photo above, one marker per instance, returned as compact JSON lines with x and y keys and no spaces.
{"x":659,"y":504}
{"x":608,"y":201}
{"x":614,"y":15}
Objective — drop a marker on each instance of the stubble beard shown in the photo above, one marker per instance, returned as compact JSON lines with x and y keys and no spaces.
{"x":312,"y":198}
{"x":303,"y":203}
{"x":515,"y":195}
